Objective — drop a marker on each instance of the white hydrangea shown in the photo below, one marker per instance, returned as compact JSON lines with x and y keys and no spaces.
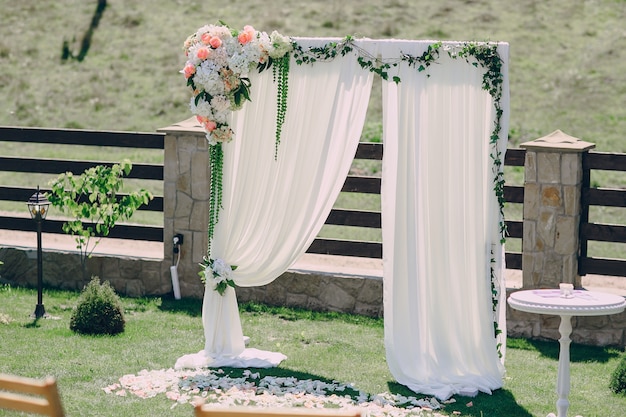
{"x":208,"y":79}
{"x":252,"y":53}
{"x":203,"y":108}
{"x":264,"y":42}
{"x":281,"y":45}
{"x":221,"y":108}
{"x":220,"y":56}
{"x":192,"y":56}
{"x":222,"y":270}
{"x":239,"y":63}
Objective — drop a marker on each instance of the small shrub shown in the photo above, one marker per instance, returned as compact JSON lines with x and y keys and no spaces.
{"x":99,"y":310}
{"x":618,"y":378}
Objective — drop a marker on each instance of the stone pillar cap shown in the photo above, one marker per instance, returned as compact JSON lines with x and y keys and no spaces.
{"x":558,"y":141}
{"x":190,"y":125}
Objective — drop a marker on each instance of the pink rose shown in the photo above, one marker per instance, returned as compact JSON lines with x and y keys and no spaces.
{"x":189,"y":70}
{"x":249,"y":29}
{"x":210,"y":125}
{"x":215,"y":42}
{"x":205,"y":38}
{"x":203,"y":53}
{"x":244,"y":37}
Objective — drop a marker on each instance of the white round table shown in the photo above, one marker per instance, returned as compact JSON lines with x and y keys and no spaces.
{"x":578,"y":303}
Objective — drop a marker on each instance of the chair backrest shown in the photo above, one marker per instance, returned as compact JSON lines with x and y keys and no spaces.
{"x":39,"y":396}
{"x":208,"y":411}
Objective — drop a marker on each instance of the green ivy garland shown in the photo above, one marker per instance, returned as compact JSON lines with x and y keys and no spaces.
{"x":281,"y":77}
{"x":216,"y":166}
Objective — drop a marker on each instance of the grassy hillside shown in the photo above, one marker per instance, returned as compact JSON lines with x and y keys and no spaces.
{"x":567,"y":63}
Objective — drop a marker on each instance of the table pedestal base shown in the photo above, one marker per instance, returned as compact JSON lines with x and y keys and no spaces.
{"x":563,"y":378}
{"x":566,"y":305}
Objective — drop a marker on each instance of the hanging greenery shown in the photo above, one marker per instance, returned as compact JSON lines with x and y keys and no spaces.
{"x":281,"y":78}
{"x":216,"y":166}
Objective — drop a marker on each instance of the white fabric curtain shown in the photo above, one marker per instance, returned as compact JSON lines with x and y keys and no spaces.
{"x":274,"y":207}
{"x":440,"y":224}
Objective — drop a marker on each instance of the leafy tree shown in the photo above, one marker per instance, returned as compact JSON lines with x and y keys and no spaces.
{"x":91,"y":201}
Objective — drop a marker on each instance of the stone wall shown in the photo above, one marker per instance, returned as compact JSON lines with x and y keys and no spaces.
{"x":130,"y":276}
{"x":320,"y":292}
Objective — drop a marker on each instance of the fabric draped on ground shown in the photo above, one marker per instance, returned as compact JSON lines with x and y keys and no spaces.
{"x":249,"y":358}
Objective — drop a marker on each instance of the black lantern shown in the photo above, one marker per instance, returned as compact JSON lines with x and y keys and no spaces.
{"x":38,"y":208}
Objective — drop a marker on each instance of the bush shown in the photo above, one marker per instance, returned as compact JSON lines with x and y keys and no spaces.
{"x":99,"y":310}
{"x":618,"y":378}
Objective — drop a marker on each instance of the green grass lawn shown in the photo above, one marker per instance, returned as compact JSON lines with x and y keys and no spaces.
{"x":325,"y":346}
{"x":567,"y":71}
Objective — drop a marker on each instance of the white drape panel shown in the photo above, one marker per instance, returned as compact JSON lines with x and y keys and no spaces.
{"x":274,"y":207}
{"x":440,"y":226}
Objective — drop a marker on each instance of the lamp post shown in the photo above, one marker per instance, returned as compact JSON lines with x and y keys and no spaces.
{"x":38,"y":208}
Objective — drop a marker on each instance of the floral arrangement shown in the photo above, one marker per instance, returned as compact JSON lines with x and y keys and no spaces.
{"x":218,"y":272}
{"x":218,"y":62}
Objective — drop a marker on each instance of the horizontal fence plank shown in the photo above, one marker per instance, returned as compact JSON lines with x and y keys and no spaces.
{"x":604,"y":161}
{"x":602,"y":266}
{"x":514,"y":193}
{"x":120,"y":231}
{"x":367,"y":185}
{"x":515,"y":157}
{"x":605,"y":196}
{"x":514,"y":229}
{"x":603,"y":232}
{"x":367,"y":150}
{"x":19,"y":194}
{"x":346,"y":248}
{"x":57,"y":166}
{"x":141,"y":140}
{"x":343,"y":217}
{"x":513,"y":260}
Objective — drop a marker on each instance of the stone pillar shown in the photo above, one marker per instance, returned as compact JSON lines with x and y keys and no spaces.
{"x":186,"y":189}
{"x":552,"y":189}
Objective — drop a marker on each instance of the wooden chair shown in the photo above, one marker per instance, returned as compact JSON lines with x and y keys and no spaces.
{"x":203,"y":410}
{"x":39,"y":396}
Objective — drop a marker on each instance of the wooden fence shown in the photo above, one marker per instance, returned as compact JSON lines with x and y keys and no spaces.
{"x":58,"y":166}
{"x":343,"y":217}
{"x":590,"y":231}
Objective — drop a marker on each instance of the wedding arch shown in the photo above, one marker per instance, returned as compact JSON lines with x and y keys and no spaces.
{"x":279,"y":161}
